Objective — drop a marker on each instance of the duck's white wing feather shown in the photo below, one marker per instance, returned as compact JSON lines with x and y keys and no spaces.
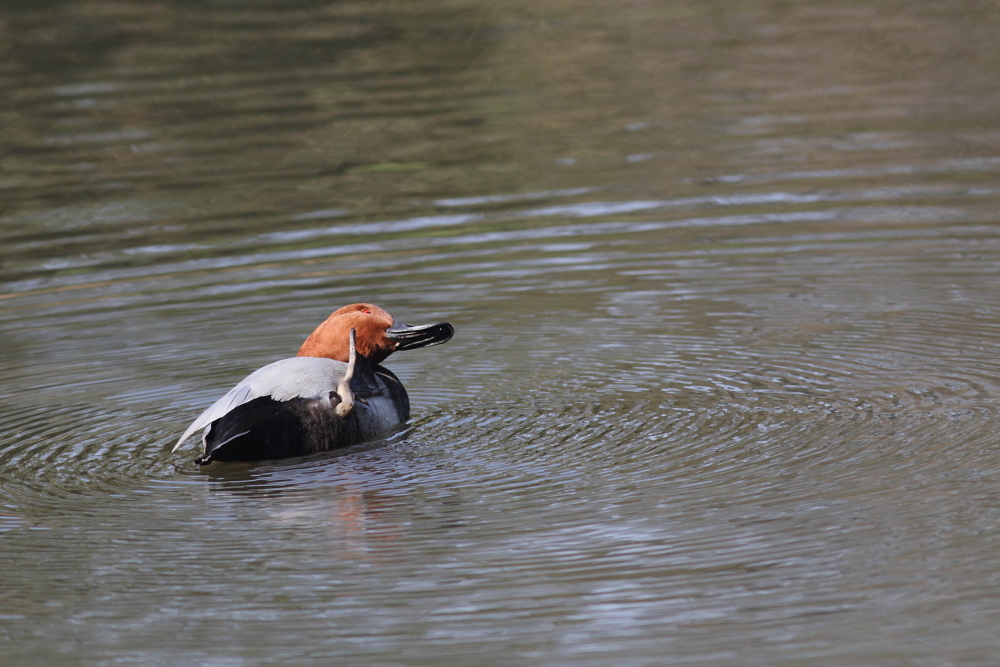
{"x":298,"y":377}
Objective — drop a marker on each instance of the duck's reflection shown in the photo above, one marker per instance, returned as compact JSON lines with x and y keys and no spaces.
{"x":361,"y":505}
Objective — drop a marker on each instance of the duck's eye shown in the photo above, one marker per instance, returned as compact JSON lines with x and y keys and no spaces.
{"x":366,"y":311}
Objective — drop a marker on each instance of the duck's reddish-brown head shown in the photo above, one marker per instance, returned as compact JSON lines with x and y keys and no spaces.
{"x":377,"y":334}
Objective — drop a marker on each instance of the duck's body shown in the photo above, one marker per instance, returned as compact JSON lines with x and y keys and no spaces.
{"x":309,"y":404}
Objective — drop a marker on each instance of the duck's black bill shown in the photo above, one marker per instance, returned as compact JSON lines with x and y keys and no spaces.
{"x":425,"y":335}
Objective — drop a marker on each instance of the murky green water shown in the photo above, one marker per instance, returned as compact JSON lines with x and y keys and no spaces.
{"x":725,"y":284}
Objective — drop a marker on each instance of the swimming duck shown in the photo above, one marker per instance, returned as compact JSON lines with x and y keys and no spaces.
{"x":333,"y":394}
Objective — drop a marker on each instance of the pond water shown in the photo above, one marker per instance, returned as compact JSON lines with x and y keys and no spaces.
{"x":724,"y":278}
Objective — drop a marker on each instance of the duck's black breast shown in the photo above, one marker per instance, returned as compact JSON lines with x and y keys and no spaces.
{"x":393,"y":389}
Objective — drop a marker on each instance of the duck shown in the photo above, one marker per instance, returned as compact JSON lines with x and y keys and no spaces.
{"x":333,"y":394}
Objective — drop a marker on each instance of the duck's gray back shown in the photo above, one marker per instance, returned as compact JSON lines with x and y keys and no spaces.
{"x":298,"y":377}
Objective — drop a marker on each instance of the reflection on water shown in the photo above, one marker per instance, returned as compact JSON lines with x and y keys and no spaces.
{"x":724,"y":285}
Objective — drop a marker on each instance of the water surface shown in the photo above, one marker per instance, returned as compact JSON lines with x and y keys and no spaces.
{"x":723,"y":277}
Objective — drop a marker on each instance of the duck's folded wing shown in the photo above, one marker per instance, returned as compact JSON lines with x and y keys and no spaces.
{"x":298,"y":377}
